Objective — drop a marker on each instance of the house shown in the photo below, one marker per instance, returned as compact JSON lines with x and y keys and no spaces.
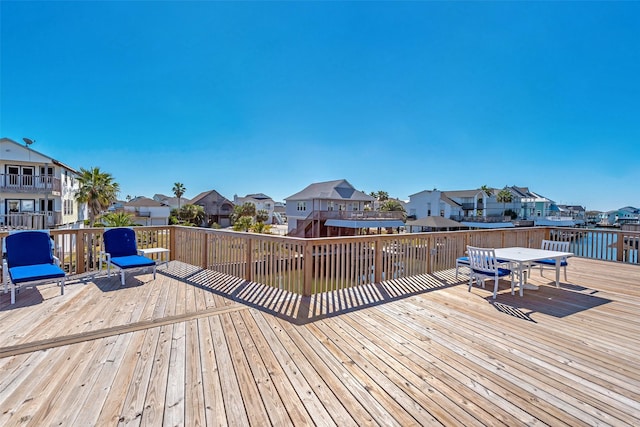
{"x":172,"y":202}
{"x":335,"y":208}
{"x":36,"y":191}
{"x":147,"y":211}
{"x":626,"y":215}
{"x":433,"y":203}
{"x":217,"y":208}
{"x":261,"y":202}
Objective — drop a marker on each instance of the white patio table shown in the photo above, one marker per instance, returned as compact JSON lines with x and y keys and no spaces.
{"x":523,"y":256}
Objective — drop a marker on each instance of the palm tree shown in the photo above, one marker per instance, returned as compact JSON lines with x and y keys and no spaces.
{"x":504,"y":197}
{"x":394,"y":206}
{"x":380,"y":196}
{"x":179,"y":190}
{"x":117,"y":219}
{"x":98,"y":190}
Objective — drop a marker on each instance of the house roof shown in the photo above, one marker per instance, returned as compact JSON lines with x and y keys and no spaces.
{"x":257,"y":196}
{"x":54,"y":161}
{"x":204,"y":194}
{"x":144,"y":201}
{"x":332,"y":190}
{"x":466,"y":193}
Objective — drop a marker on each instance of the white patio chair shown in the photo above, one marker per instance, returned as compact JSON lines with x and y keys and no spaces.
{"x":484,"y":265}
{"x":550,"y":264}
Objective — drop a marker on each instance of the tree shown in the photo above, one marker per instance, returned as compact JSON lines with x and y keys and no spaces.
{"x":504,"y":196}
{"x":117,"y":219}
{"x":380,"y":196}
{"x":393,"y":206}
{"x":243,"y":223}
{"x":192,"y":214}
{"x":247,"y":209}
{"x":98,"y":190}
{"x":179,"y":190}
{"x":262,"y":215}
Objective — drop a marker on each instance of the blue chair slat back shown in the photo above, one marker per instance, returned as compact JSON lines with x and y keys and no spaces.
{"x":120,"y":242}
{"x":28,"y":248}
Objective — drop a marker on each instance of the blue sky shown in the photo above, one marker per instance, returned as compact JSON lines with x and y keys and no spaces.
{"x":247,"y":97}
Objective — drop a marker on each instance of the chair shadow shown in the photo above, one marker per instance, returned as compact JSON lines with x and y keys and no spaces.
{"x":299,"y":309}
{"x":25,"y":297}
{"x":112,"y":283}
{"x":559,"y":302}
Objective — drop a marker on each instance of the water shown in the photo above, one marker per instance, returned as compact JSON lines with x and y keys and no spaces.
{"x":601,"y":244}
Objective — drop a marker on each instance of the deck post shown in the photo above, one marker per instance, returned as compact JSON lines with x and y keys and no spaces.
{"x":248,"y":270}
{"x":172,"y":242}
{"x":620,"y":246}
{"x":81,"y":257}
{"x":377,"y":253}
{"x":205,"y":251}
{"x":307,"y":268}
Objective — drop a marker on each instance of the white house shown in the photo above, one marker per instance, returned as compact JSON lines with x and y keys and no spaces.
{"x":432,"y":203}
{"x":147,"y":211}
{"x":36,"y":191}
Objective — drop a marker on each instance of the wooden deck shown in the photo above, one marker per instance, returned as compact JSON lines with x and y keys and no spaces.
{"x":197,"y":348}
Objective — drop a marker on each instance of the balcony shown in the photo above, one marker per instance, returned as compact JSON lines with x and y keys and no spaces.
{"x":37,"y":184}
{"x":29,"y":220}
{"x":203,"y":344}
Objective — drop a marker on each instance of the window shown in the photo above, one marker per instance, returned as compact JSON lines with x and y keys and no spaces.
{"x":15,"y":206}
{"x":355,"y":207}
{"x":330,"y":206}
{"x":302,"y":206}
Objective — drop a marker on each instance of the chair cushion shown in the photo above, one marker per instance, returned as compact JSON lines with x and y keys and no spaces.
{"x":29,"y":273}
{"x":132,"y":261}
{"x":563,"y":263}
{"x":28,"y":248}
{"x":120,"y":242}
{"x":463,"y":260}
{"x":501,"y":272}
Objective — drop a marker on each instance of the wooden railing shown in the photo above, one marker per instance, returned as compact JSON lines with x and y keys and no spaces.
{"x":310,"y":266}
{"x":26,"y":183}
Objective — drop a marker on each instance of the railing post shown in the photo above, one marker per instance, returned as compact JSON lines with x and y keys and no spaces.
{"x":80,"y":252}
{"x":307,"y":268}
{"x":172,"y":242}
{"x":620,"y":246}
{"x":205,"y":252}
{"x":248,"y":269}
{"x":377,"y":252}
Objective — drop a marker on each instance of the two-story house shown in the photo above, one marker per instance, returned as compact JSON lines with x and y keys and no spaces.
{"x":335,"y":208}
{"x":36,"y":191}
{"x":432,"y":203}
{"x":218,"y":209}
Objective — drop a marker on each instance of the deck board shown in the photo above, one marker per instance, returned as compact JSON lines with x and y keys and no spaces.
{"x":194,"y":347}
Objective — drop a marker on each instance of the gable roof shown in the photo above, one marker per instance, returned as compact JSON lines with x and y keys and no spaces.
{"x":332,"y":190}
{"x":204,"y":194}
{"x":144,"y":201}
{"x":54,"y":161}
